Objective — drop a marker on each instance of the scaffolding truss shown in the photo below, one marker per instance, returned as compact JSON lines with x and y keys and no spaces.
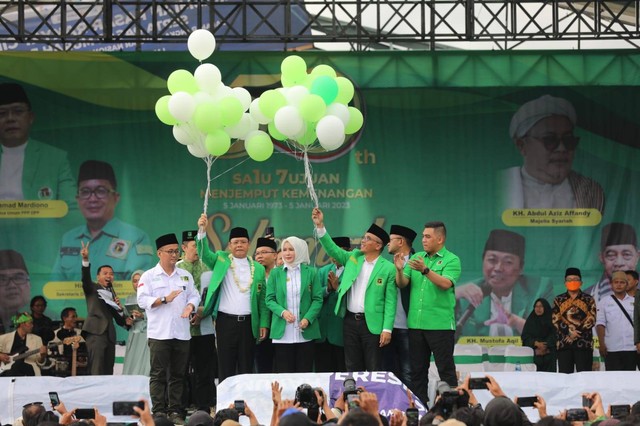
{"x":362,"y":25}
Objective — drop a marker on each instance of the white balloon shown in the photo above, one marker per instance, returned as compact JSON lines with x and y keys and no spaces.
{"x":241,"y":129}
{"x":295,"y":94}
{"x":201,"y":44}
{"x":288,"y":121}
{"x":253,"y":124}
{"x":330,"y":132}
{"x":198,"y":150}
{"x":202,"y":97}
{"x":243,"y":96}
{"x":182,"y":134}
{"x":182,"y":106}
{"x":339,"y":110}
{"x":256,"y":114}
{"x":208,"y":77}
{"x":222,"y":92}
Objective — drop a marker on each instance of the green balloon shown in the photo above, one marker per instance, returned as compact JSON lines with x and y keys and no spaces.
{"x":259,"y":146}
{"x":231,"y":109}
{"x":270,"y":102}
{"x":275,"y":133}
{"x":325,"y":87}
{"x":182,"y":81}
{"x":345,"y":90}
{"x":355,"y":121}
{"x":324,"y":70}
{"x":294,"y":69}
{"x":309,"y":136}
{"x":312,"y":108}
{"x":162,"y":111}
{"x":217,"y":142}
{"x":208,"y":117}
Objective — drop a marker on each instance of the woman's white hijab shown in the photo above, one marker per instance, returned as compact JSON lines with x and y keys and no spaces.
{"x":301,"y":250}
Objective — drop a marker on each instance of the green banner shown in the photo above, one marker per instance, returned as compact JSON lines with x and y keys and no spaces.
{"x":435,"y":145}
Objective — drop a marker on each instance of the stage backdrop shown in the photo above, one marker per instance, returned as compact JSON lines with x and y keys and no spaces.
{"x":435,"y":145}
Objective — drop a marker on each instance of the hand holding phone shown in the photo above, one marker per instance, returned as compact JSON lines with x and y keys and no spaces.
{"x":413,"y":417}
{"x":527,"y":401}
{"x":577,"y":414}
{"x":620,"y":411}
{"x":85,"y":413}
{"x":239,"y":406}
{"x":125,"y":408}
{"x":478,"y":382}
{"x":55,"y":400}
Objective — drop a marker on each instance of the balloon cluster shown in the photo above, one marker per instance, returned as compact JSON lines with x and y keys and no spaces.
{"x":205,"y":113}
{"x":308,"y":107}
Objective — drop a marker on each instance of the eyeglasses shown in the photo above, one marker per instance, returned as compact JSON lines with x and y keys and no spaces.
{"x":31,"y":404}
{"x":16,"y":112}
{"x":100,"y":192}
{"x":18,"y":279}
{"x":552,"y":142}
{"x":171,"y":252}
{"x":368,"y":238}
{"x":260,"y":253}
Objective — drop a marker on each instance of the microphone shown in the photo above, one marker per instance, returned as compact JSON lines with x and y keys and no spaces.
{"x":486,"y":291}
{"x":112,"y":291}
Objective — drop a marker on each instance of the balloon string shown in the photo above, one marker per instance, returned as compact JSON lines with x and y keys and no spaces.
{"x":209,"y":161}
{"x":309,"y":178}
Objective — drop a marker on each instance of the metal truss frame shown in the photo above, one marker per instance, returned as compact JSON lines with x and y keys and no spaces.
{"x":362,"y":24}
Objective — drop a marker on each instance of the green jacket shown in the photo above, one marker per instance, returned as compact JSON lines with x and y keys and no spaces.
{"x":310,"y":301}
{"x":330,"y":323}
{"x":526,"y":291}
{"x":381,"y":295}
{"x":219,"y":263}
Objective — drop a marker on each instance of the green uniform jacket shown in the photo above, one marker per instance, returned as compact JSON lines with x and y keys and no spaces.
{"x":330,"y":324}
{"x":219,"y":263}
{"x":380,"y":297}
{"x":525,"y":291}
{"x":47,"y":175}
{"x":310,"y":301}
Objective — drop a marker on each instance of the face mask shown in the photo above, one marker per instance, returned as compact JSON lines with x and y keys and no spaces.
{"x":572,"y":285}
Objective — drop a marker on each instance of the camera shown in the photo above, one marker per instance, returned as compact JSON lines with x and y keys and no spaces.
{"x":450,"y":399}
{"x":306,"y":397}
{"x":125,"y":408}
{"x":577,"y":414}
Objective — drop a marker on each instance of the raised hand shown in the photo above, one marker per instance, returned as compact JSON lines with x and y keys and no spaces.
{"x":84,"y":251}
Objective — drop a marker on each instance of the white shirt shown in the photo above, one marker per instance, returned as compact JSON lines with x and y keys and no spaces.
{"x":292,"y":331}
{"x":164,"y":322}
{"x":232,"y":300}
{"x":355,"y":297}
{"x":401,"y":316}
{"x":11,"y":167}
{"x":541,"y":195}
{"x":618,"y":335}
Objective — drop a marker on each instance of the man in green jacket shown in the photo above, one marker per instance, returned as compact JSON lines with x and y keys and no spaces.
{"x":236,"y":299}
{"x":366,"y":296}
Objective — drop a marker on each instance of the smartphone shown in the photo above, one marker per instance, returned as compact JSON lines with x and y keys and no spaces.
{"x":351,"y":400}
{"x":413,"y":417}
{"x":527,"y":401}
{"x":577,"y":414}
{"x":478,"y":382}
{"x":269,"y":232}
{"x":620,"y":411}
{"x":85,"y":413}
{"x":239,"y":406}
{"x":55,"y":400}
{"x":587,"y":402}
{"x":125,"y":408}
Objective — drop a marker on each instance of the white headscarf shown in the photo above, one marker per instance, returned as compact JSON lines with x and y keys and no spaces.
{"x":301,"y":250}
{"x":533,"y":111}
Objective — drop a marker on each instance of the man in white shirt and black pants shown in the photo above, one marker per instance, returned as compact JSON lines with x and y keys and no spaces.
{"x":615,"y":326}
{"x":168,"y":295}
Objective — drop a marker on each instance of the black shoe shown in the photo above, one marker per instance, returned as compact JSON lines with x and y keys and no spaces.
{"x":176,"y":418}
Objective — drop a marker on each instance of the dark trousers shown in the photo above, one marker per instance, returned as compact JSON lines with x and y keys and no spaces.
{"x":580,"y":359}
{"x":203,"y":360}
{"x":620,"y":361}
{"x":328,"y":358}
{"x":362,"y":350}
{"x":422,"y":343}
{"x":101,"y":352}
{"x":264,"y":356}
{"x":236,"y":345}
{"x":294,"y":357}
{"x":396,"y":356}
{"x":546,"y":362}
{"x":169,"y":360}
